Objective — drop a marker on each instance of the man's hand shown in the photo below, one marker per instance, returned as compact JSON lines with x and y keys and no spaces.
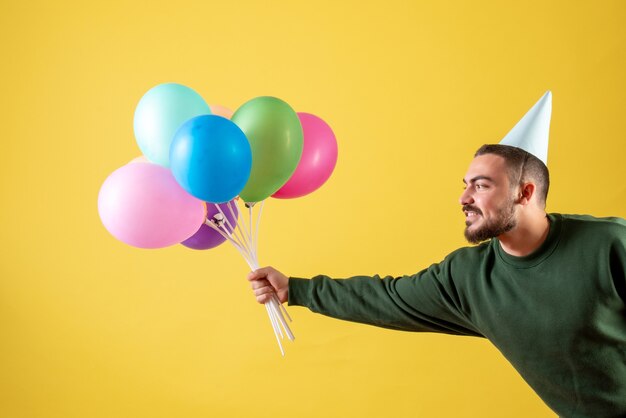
{"x":268,"y":280}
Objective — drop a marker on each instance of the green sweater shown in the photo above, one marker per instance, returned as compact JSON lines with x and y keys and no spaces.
{"x":558,"y":315}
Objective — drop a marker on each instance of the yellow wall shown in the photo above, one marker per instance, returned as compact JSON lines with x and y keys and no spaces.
{"x":90,"y":327}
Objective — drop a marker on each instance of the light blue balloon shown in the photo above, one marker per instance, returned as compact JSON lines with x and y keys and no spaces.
{"x":211,"y":158}
{"x":159,"y":114}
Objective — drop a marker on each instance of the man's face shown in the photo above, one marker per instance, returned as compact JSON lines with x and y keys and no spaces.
{"x":488,"y":202}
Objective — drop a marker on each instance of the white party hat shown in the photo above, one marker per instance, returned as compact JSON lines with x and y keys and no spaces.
{"x":532,"y":131}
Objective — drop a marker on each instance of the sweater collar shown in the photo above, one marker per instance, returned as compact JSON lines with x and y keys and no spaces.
{"x":541,"y":253}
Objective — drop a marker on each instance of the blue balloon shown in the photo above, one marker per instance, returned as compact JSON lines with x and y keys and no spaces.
{"x":159,"y":114}
{"x":211,"y":158}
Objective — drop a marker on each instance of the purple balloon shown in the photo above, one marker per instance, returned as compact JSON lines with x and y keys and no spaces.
{"x":207,"y":237}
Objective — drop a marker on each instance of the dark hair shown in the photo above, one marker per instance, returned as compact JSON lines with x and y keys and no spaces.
{"x":522,"y":167}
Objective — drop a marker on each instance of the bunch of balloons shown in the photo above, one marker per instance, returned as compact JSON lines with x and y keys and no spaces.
{"x":199,"y":161}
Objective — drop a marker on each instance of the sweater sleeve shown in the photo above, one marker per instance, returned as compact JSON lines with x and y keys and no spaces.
{"x":420,"y":302}
{"x":617,"y":262}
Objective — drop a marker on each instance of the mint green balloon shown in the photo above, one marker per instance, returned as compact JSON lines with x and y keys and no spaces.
{"x":276,"y":140}
{"x":159,"y":114}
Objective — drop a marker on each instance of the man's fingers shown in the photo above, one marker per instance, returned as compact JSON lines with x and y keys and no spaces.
{"x":263,"y":294}
{"x":263,"y":298}
{"x":266,"y":290}
{"x":259,"y":273}
{"x":254,"y":275}
{"x":261,"y":283}
{"x":257,"y":284}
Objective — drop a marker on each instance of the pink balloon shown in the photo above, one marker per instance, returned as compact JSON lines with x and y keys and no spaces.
{"x":143,"y":205}
{"x":319,"y":157}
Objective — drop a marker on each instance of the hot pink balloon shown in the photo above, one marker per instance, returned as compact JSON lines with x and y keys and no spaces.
{"x":319,"y":157}
{"x":142,"y":205}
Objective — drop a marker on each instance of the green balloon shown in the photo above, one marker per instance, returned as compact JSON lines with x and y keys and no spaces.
{"x":275,"y":135}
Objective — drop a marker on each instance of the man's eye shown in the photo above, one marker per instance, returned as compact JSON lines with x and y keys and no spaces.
{"x":480,"y":186}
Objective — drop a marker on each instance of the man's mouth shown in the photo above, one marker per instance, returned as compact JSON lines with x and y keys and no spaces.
{"x":471,"y":212}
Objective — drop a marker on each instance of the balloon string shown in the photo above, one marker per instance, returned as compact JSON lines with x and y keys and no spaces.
{"x":236,"y":217}
{"x":253,"y":238}
{"x":248,"y":230}
{"x":277,"y":307}
{"x":275,"y":327}
{"x":241,"y":238}
{"x":211,"y":225}
{"x":275,"y":317}
{"x":276,"y":321}
{"x":275,"y":302}
{"x":219,"y":208}
{"x":237,"y":246}
{"x":243,"y":231}
{"x":243,"y":227}
{"x":255,"y":243}
{"x":243,"y":245}
{"x":282,"y":308}
{"x":247,"y":246}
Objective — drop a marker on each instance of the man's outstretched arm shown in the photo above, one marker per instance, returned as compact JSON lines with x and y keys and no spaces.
{"x":409,"y":303}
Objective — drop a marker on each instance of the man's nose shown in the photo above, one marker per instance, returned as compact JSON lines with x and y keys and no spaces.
{"x":466,"y":197}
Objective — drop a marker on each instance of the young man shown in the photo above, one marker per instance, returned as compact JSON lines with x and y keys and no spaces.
{"x":548,"y":290}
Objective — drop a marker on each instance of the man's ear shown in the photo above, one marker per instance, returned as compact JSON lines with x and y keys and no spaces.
{"x":526,"y":193}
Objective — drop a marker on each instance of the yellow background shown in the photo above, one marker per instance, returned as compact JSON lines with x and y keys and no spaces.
{"x":91,"y":327}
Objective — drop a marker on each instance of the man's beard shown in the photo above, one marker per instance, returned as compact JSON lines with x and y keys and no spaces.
{"x":503,"y":222}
